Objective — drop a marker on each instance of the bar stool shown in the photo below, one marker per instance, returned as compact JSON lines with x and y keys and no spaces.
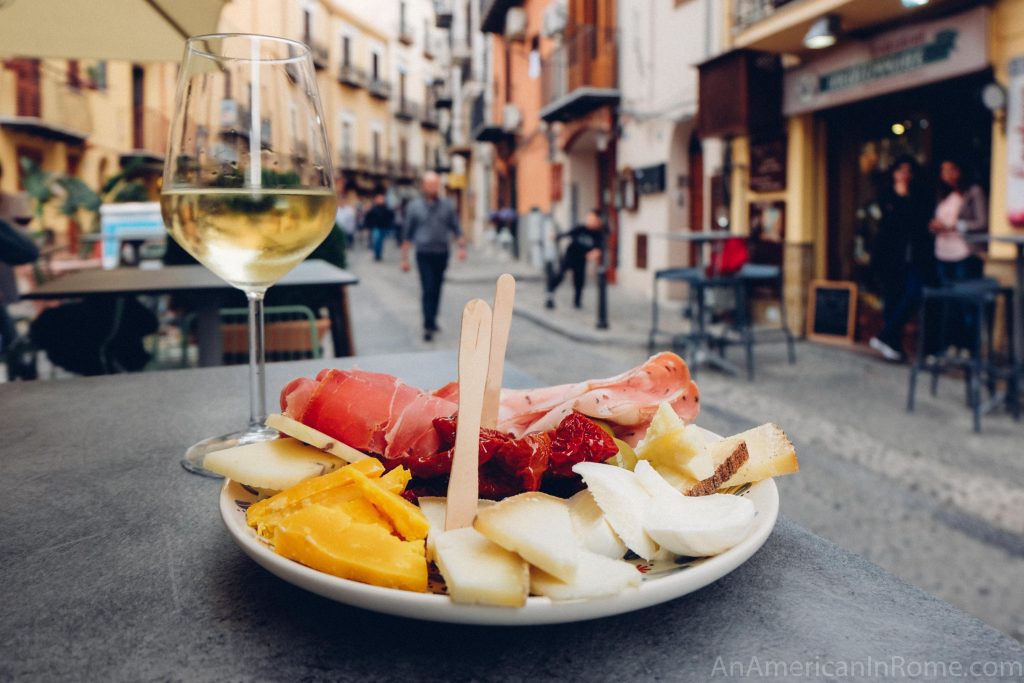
{"x":751,"y":275}
{"x":978,"y":297}
{"x":667,"y":275}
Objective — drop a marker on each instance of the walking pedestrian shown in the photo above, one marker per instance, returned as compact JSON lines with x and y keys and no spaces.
{"x":431,"y":223}
{"x":345,"y":218}
{"x":379,"y":219}
{"x":586,"y":243}
{"x":902,"y":256}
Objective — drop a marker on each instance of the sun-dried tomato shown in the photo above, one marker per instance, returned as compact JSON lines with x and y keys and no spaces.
{"x":578,"y":439}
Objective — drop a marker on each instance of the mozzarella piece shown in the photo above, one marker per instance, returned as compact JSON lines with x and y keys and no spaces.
{"x":596,"y":577}
{"x":624,"y":501}
{"x":699,"y":526}
{"x":592,"y":528}
{"x":538,"y":527}
{"x":478,"y":571}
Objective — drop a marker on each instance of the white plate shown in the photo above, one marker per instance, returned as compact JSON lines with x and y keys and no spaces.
{"x":661,"y":582}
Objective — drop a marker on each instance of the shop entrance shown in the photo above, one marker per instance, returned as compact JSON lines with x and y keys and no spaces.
{"x":932,"y":123}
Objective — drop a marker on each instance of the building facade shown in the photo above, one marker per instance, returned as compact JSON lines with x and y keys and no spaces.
{"x":669,"y":181}
{"x":900,"y":78}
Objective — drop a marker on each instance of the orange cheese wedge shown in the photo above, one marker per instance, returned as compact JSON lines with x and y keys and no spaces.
{"x":330,"y":541}
{"x":407,"y":519}
{"x":293,"y":498}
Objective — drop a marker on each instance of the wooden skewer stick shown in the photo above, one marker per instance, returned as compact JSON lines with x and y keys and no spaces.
{"x":504,"y":296}
{"x":474,"y":350}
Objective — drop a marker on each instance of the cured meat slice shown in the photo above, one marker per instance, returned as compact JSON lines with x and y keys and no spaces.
{"x":412,"y":431}
{"x":628,"y":400}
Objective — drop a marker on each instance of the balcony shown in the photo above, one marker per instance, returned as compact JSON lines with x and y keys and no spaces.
{"x":483,"y":126}
{"x":429,"y":118}
{"x":443,"y":13}
{"x":581,"y":75}
{"x":379,"y":88}
{"x":372,"y":164}
{"x":405,"y":33}
{"x":150,"y":133}
{"x":45,"y":108}
{"x":352,"y":76}
{"x":319,"y":51}
{"x":404,"y":171}
{"x":348,"y":160}
{"x":746,"y":13}
{"x":407,"y":110}
{"x":492,"y":14}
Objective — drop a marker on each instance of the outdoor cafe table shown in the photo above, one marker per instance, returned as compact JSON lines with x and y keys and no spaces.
{"x":116,"y":566}
{"x":194,"y":279}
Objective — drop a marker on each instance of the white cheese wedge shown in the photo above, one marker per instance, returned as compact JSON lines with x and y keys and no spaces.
{"x":592,"y":528}
{"x":435,"y":508}
{"x":479,"y":571}
{"x":538,"y":527}
{"x":624,"y":501}
{"x":653,"y":482}
{"x":699,"y":526}
{"x":596,"y":577}
{"x":275,"y":465}
{"x":676,"y":449}
{"x":317,"y":439}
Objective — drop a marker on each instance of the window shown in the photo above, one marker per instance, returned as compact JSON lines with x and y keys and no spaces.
{"x":74,"y":74}
{"x":307,"y":25}
{"x":376,"y":146}
{"x":375,"y":65}
{"x":346,"y":50}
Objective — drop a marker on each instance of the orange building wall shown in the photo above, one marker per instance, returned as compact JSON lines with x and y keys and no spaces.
{"x":530,"y":158}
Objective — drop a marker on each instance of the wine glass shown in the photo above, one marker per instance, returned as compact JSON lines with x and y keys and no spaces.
{"x":247,"y":186}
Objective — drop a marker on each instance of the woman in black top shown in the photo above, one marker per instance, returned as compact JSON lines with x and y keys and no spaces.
{"x":586,"y":241}
{"x":903,"y":257}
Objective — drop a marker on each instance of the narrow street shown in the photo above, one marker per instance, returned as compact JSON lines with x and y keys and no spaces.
{"x":921,"y":495}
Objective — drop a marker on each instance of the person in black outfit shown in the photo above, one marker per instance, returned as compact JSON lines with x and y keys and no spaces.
{"x":380,"y":220}
{"x":586,"y":242}
{"x":903,"y":256}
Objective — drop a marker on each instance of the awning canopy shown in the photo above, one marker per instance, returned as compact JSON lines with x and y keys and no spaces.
{"x":129,"y":30}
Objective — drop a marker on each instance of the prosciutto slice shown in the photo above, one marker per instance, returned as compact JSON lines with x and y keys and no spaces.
{"x":369,"y":411}
{"x":627,"y":401}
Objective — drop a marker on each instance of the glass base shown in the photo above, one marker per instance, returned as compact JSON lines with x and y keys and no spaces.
{"x":194,"y":456}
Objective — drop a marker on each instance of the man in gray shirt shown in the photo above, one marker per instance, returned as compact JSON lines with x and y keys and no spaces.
{"x":431,"y":223}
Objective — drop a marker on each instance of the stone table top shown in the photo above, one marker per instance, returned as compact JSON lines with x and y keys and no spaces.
{"x":116,"y":566}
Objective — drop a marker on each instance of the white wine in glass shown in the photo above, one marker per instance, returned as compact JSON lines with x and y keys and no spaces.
{"x":247,"y":186}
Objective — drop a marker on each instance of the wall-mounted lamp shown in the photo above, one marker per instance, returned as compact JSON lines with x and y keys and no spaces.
{"x":911,"y":4}
{"x":823,"y":33}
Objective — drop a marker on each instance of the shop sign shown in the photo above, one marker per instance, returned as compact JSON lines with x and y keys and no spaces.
{"x":768,"y":166}
{"x":1015,"y":144}
{"x":895,"y":60}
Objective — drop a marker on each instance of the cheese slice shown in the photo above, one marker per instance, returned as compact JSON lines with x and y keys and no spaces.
{"x":331,"y":541}
{"x":317,"y":439}
{"x":479,"y":571}
{"x":407,"y":519}
{"x":592,"y":528}
{"x":538,"y":527}
{"x":435,"y":508}
{"x":770,"y":454}
{"x":624,"y":501}
{"x":596,"y":577}
{"x":276,"y":464}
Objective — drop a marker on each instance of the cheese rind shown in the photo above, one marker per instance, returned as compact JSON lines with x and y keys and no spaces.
{"x":478,"y":571}
{"x":770,"y":454}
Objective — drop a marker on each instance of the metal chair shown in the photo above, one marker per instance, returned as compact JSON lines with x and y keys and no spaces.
{"x":291,"y":333}
{"x":977,"y":299}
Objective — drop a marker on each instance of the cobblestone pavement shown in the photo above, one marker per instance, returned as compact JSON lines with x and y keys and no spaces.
{"x":920,"y":495}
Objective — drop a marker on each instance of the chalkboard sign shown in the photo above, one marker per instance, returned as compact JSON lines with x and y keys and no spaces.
{"x":831,"y":311}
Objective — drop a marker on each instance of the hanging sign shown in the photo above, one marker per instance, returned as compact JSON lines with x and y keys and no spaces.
{"x":895,"y":60}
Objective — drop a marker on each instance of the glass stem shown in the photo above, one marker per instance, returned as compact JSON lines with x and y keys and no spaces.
{"x":257,"y":363}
